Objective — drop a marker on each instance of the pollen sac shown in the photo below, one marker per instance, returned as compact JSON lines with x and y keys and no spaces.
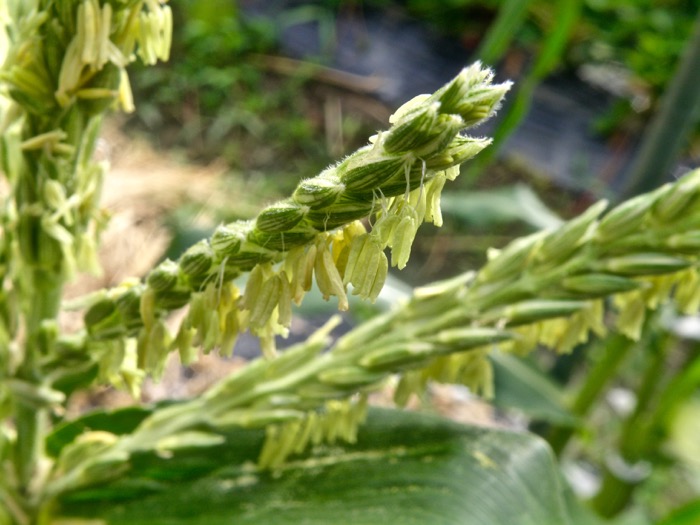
{"x":299,"y":264}
{"x":433,"y":212}
{"x":367,"y":266}
{"x":385,"y":226}
{"x":402,"y":241}
{"x":284,"y":306}
{"x":54,"y":194}
{"x":264,"y":303}
{"x":319,"y":192}
{"x":280,"y":217}
{"x":328,"y":278}
{"x":687,"y":292}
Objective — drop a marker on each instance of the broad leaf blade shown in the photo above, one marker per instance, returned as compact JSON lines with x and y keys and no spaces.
{"x":406,"y":468}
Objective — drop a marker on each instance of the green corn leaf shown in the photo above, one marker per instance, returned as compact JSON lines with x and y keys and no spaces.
{"x":405,"y":468}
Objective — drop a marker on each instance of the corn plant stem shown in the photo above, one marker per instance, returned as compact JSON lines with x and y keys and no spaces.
{"x":635,"y":440}
{"x":653,"y":380}
{"x":31,"y":423}
{"x":614,"y":351}
{"x":48,"y":138}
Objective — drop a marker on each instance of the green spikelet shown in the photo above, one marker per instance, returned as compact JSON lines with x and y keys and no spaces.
{"x":644,"y":264}
{"x":197,"y":260}
{"x":363,"y":172}
{"x":164,"y":277}
{"x":227,"y":239}
{"x":280,"y":217}
{"x":598,"y":285}
{"x":321,"y":191}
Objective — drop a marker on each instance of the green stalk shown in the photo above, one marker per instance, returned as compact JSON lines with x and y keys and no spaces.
{"x":613,"y":350}
{"x":31,"y":421}
{"x":637,"y":438}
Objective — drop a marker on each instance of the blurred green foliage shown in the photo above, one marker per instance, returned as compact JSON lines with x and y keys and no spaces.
{"x":646,"y":36}
{"x":640,"y":39}
{"x":217,"y":101}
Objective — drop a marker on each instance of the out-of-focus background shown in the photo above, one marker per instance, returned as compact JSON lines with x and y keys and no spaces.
{"x":273,"y":91}
{"x":261,"y":93}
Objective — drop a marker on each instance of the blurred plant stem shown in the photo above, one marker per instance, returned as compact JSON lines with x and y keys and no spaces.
{"x":671,"y":125}
{"x":638,"y":438}
{"x":643,"y":433}
{"x":31,"y":421}
{"x":553,"y":46}
{"x":502,"y":31}
{"x":614,"y":350}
